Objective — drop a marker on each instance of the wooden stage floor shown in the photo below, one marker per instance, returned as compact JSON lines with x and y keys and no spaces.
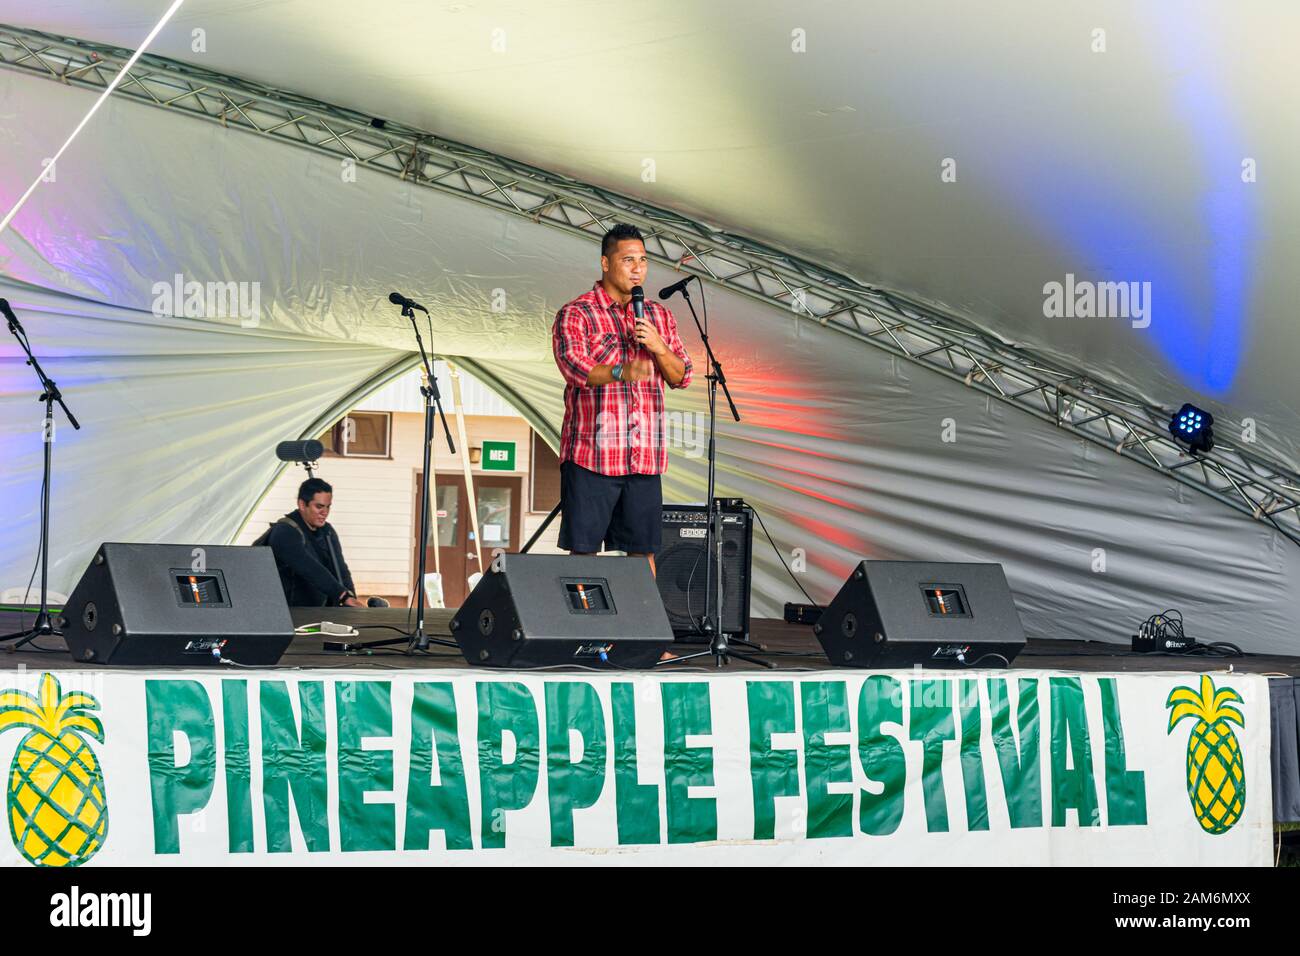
{"x":790,"y":647}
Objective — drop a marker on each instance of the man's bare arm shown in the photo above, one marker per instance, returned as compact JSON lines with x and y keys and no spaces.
{"x":637,"y":371}
{"x":671,"y":367}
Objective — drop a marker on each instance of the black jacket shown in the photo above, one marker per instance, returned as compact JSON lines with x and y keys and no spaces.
{"x":312,"y":570}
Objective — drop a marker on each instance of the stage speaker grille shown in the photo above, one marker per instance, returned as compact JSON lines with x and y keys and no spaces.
{"x":178,"y":605}
{"x":537,"y":610}
{"x":900,"y":613}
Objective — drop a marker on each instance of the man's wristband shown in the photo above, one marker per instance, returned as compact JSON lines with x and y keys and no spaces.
{"x":616,"y":373}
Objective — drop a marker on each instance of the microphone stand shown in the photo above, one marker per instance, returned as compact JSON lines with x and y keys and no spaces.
{"x":719,"y":645}
{"x":546,"y":523}
{"x":418,"y":640}
{"x":44,"y":623}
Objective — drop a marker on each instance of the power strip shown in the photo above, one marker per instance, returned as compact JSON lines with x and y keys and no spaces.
{"x":1153,"y":637}
{"x":802,"y":613}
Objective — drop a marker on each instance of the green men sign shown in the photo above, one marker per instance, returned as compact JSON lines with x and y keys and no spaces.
{"x":498,"y":456}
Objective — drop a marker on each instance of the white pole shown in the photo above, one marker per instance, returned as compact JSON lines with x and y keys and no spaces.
{"x":432,"y":503}
{"x":466,"y":465}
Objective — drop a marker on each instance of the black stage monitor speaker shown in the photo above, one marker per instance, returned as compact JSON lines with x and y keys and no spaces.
{"x":534,"y":610}
{"x":681,"y":560}
{"x":900,"y":613}
{"x":178,"y":604}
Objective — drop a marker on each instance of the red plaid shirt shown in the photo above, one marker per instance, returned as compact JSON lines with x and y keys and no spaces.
{"x":615,"y":429}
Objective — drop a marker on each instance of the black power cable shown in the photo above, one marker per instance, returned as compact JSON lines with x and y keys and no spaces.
{"x":27,"y":592}
{"x":779,"y":555}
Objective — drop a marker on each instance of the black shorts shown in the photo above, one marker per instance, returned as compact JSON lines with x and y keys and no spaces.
{"x":620,"y":512}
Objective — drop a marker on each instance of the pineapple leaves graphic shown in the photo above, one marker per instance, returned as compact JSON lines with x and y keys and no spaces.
{"x":1216,"y":774}
{"x":58,"y":815}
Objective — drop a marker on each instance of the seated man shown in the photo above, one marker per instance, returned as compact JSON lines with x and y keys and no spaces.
{"x":308,"y":554}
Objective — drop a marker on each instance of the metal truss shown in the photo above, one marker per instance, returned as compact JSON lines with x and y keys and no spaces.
{"x":1070,"y":398}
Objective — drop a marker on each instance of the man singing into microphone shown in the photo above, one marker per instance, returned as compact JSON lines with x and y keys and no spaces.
{"x":615,"y":351}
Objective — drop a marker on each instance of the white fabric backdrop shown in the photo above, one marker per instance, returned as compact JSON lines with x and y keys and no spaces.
{"x":1109,"y":140}
{"x":841,"y":448}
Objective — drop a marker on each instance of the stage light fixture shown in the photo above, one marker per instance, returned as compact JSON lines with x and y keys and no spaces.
{"x":1194,"y":427}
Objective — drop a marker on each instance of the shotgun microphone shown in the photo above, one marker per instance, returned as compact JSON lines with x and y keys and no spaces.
{"x":309,"y":450}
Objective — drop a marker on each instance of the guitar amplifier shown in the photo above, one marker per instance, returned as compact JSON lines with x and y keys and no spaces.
{"x":681,"y":561}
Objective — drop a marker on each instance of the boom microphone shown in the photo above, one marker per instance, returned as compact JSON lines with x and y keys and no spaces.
{"x":309,"y":450}
{"x":398,"y":299}
{"x":669,"y":291}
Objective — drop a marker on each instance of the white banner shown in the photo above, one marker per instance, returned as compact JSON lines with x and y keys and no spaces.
{"x":366,"y":766}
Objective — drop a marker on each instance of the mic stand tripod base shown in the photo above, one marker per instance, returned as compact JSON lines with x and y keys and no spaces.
{"x":732,"y":641}
{"x":419,"y":641}
{"x":720,"y":650}
{"x":43,"y":626}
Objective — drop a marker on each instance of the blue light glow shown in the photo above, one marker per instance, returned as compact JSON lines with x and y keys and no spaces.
{"x":1115,"y":221}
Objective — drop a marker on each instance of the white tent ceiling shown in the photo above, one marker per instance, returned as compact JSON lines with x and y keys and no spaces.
{"x":1122,"y":165}
{"x":1119,"y":165}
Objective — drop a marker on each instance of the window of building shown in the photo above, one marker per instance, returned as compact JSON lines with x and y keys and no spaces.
{"x":360,"y":435}
{"x":545,"y":475}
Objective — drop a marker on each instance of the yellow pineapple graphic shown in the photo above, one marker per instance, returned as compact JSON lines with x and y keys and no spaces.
{"x":57,"y":812}
{"x":1216,"y":775}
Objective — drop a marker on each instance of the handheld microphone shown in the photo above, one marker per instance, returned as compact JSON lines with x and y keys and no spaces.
{"x":398,"y":299}
{"x":669,"y":291}
{"x":309,"y":450}
{"x":638,"y":302}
